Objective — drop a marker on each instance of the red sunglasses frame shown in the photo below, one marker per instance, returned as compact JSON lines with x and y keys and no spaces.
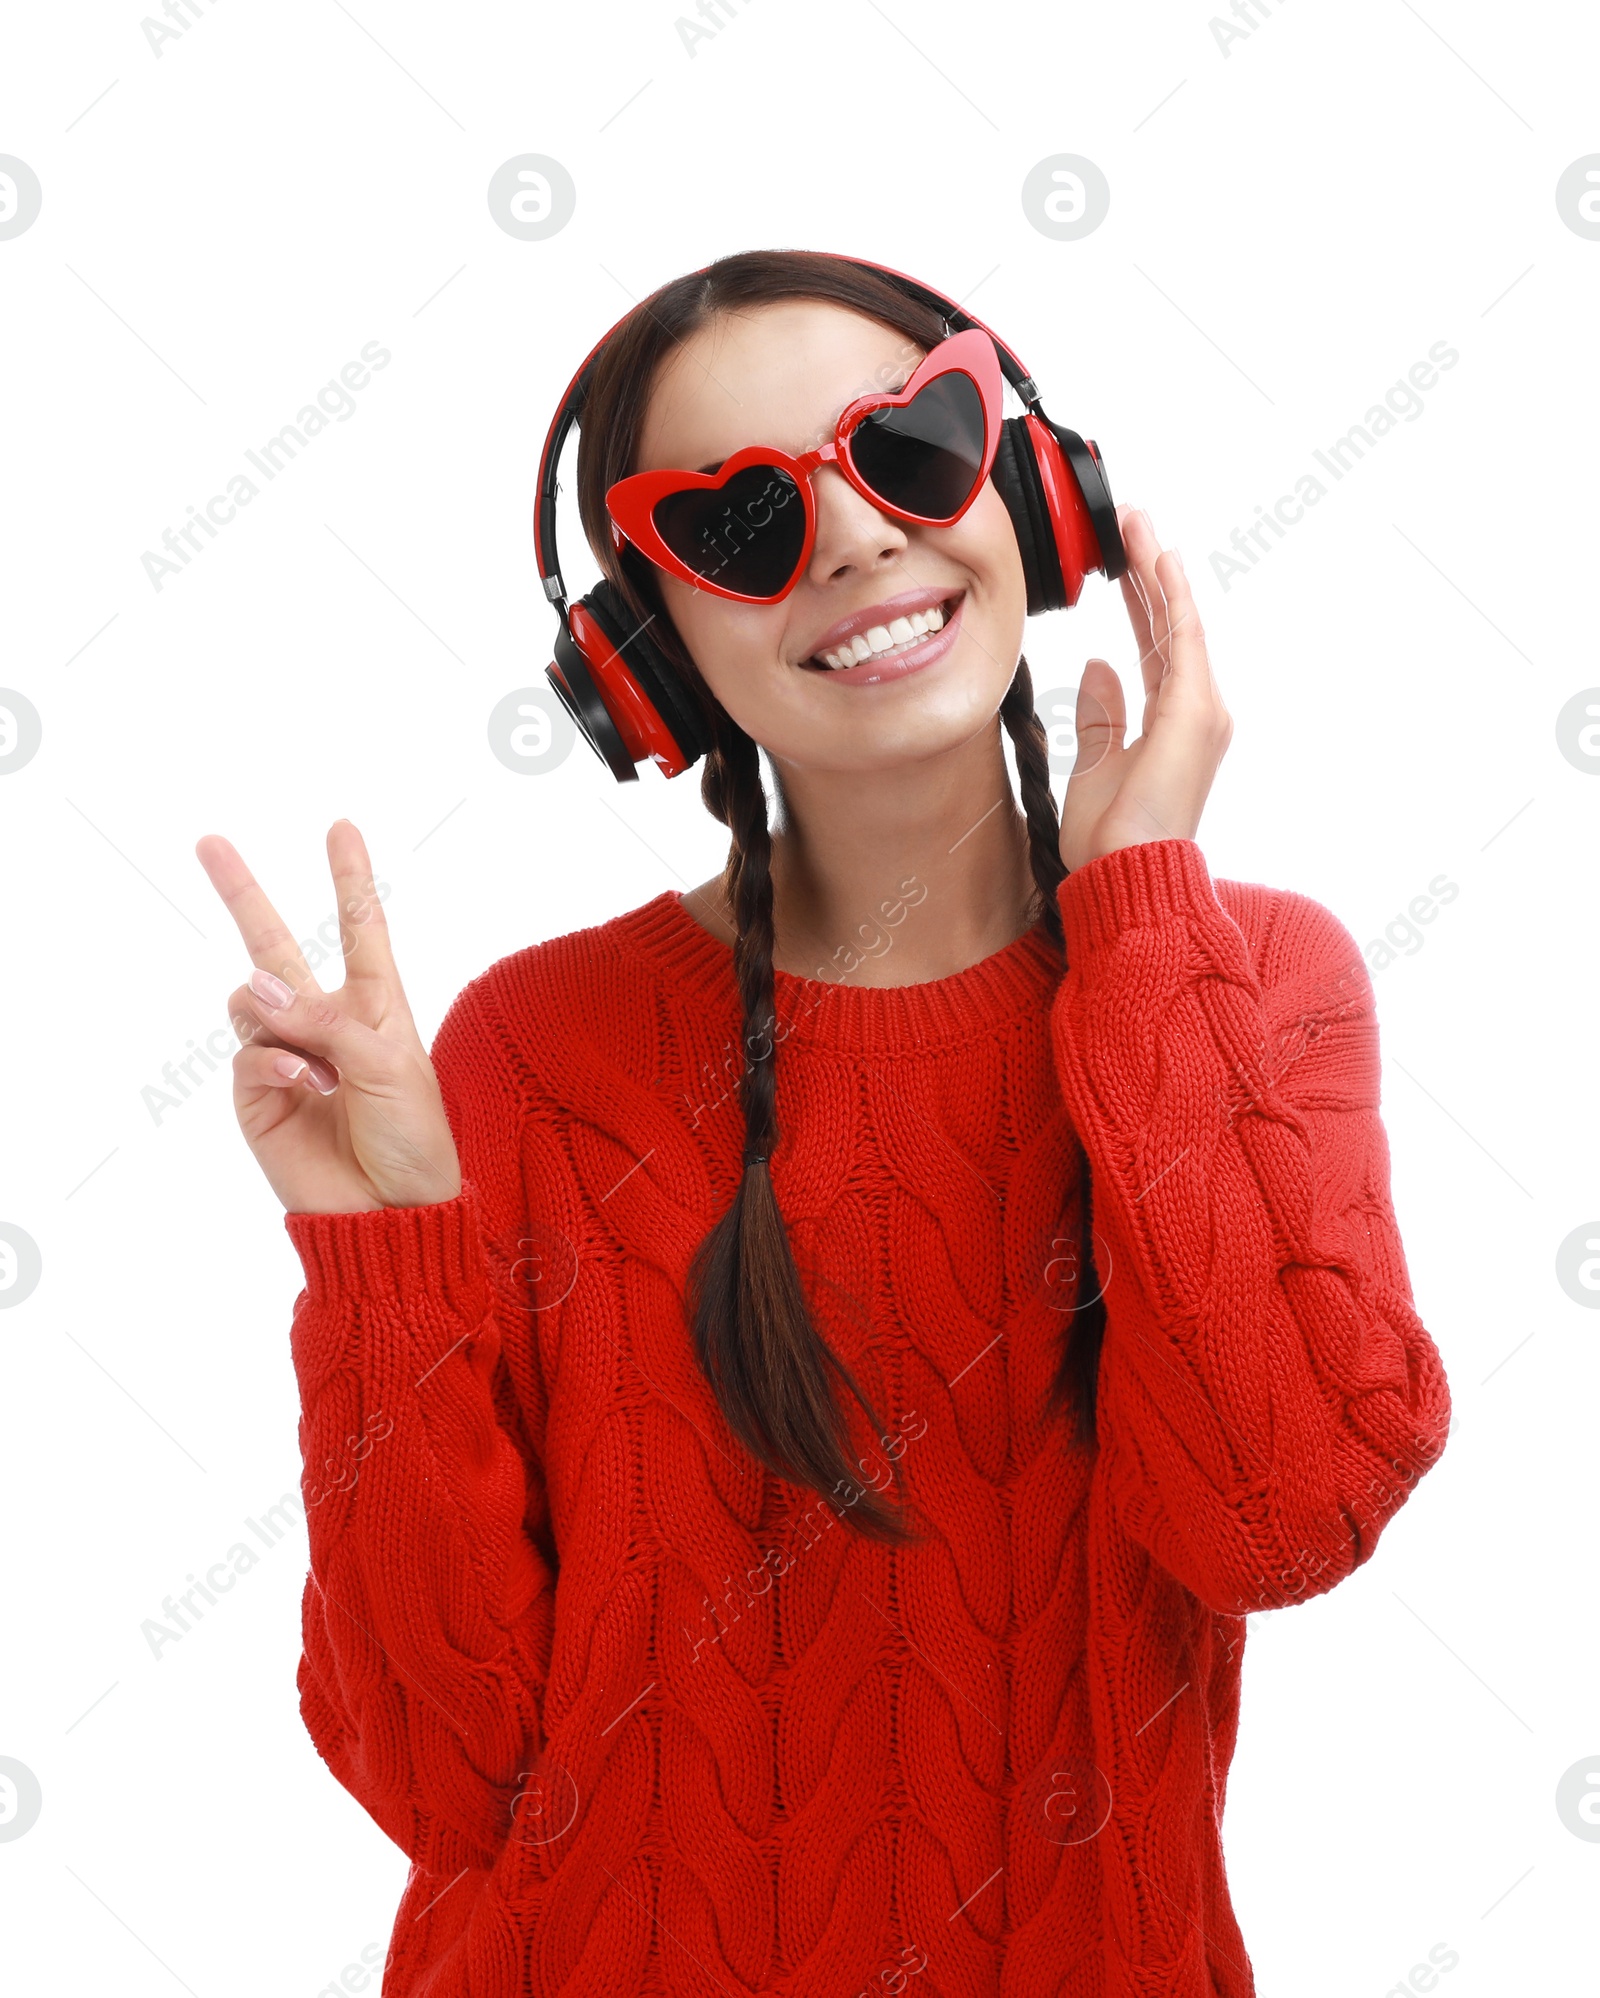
{"x":631,"y":502}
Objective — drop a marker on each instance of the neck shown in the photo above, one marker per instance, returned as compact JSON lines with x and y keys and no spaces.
{"x":900,"y":876}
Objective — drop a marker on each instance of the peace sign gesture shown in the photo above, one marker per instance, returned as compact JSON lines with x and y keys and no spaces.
{"x":1153,"y":788}
{"x":335,"y":1094}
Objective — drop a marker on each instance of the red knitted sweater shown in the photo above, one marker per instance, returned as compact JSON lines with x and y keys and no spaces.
{"x":649,"y":1720}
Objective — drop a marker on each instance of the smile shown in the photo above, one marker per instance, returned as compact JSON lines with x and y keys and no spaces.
{"x":903,"y":644}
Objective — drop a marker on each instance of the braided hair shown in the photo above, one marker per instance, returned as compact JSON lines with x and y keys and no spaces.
{"x":767,"y":1365}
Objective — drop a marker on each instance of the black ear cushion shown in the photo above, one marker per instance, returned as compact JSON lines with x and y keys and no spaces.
{"x":656,"y":677}
{"x":1016,"y":478}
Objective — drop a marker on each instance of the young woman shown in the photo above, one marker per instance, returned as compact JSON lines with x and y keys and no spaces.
{"x":753,"y":1549}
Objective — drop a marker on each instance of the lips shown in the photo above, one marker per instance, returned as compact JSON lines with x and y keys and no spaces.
{"x":913,"y":655}
{"x":882,"y":627}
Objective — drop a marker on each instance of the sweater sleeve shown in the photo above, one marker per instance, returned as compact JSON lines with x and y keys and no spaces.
{"x":426,"y":1614}
{"x":1268,"y":1396}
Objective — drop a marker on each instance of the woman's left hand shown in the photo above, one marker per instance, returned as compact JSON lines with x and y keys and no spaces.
{"x":1155,"y":788}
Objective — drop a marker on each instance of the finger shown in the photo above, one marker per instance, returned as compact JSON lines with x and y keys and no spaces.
{"x":267,"y":937}
{"x":309,"y":1022}
{"x":1138,"y":609}
{"x":258,"y":1067}
{"x":1131,"y":524}
{"x":1189,"y":661}
{"x":363,"y":929}
{"x":1101,"y":718}
{"x":1187,"y":728}
{"x":245,"y":1009}
{"x":1135,"y":596}
{"x":1144,"y":553}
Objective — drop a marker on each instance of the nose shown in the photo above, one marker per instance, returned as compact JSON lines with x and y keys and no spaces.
{"x":851,"y":532}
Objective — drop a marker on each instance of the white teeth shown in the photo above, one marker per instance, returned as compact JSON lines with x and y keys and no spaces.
{"x":880,"y":638}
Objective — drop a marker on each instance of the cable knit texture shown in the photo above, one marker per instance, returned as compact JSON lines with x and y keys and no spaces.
{"x":653,"y":1723}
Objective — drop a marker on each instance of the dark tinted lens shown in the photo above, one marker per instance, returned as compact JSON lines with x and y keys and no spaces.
{"x":746,"y":535}
{"x":924,"y":458}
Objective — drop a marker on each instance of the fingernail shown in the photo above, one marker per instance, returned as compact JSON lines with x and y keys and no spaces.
{"x":325,"y":1079}
{"x":1147,"y":520}
{"x":1179,"y":560}
{"x":269,"y":990}
{"x":289,"y":1066}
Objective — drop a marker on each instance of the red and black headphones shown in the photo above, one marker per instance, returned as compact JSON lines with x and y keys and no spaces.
{"x":628,"y":700}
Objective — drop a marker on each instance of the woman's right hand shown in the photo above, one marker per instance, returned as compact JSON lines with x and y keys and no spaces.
{"x":358,"y":1121}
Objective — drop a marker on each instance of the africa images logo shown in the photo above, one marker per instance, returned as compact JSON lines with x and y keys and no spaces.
{"x":276,"y":453}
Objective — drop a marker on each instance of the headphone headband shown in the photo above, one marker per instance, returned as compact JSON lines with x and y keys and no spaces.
{"x":544,"y":521}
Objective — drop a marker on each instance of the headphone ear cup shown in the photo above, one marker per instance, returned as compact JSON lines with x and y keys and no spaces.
{"x":657,"y":677}
{"x":1078,"y":503}
{"x":1016,"y":478}
{"x":1056,"y":490}
{"x":623,"y":694}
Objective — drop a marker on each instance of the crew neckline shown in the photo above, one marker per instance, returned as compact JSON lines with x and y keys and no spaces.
{"x":962,"y":1005}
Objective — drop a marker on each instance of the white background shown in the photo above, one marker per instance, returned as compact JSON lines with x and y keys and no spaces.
{"x":1292,"y":225}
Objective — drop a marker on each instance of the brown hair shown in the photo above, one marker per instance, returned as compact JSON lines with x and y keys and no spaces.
{"x":766,"y":1363}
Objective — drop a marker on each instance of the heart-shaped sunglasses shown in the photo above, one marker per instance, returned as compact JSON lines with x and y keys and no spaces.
{"x":920,"y":454}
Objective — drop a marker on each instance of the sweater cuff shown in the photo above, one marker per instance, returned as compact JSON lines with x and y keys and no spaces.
{"x":397,"y":1254}
{"x":1154,"y":881}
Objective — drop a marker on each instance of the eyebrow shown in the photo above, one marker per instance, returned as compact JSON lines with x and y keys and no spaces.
{"x":717,"y":464}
